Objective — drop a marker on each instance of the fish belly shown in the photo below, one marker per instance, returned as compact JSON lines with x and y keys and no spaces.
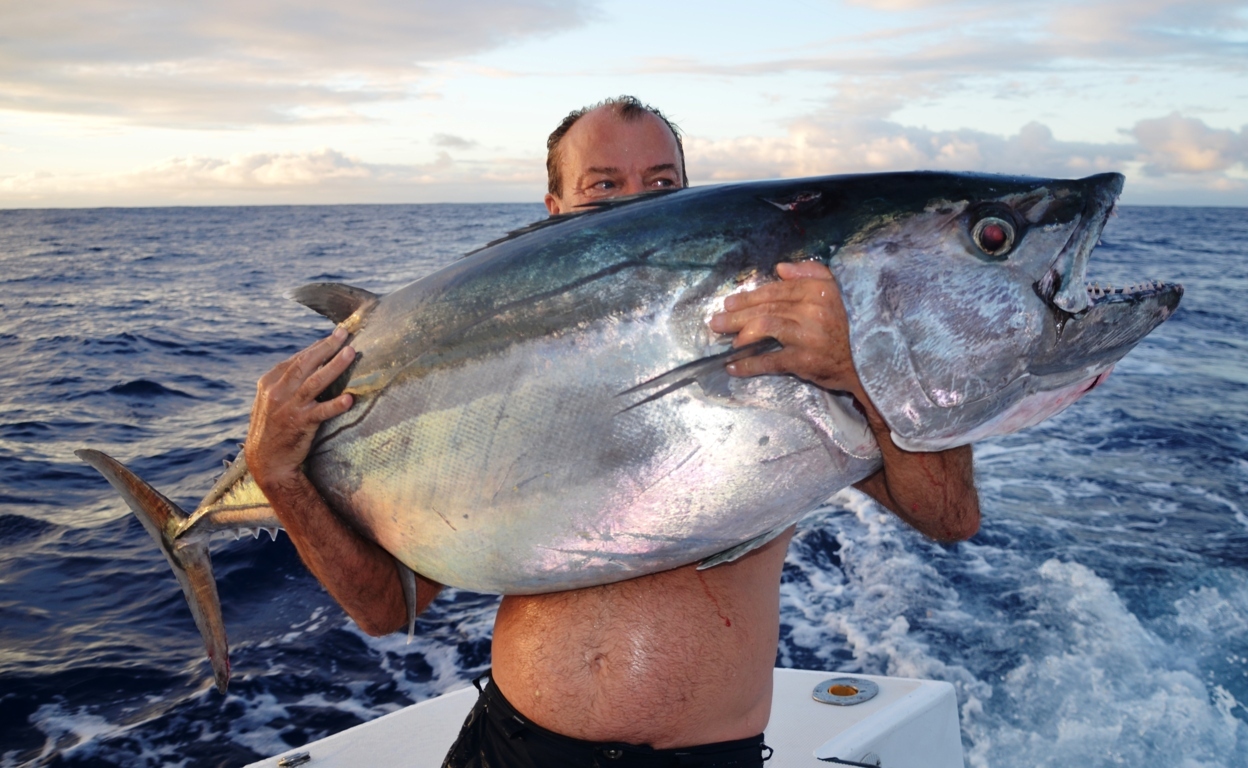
{"x":528,"y":472}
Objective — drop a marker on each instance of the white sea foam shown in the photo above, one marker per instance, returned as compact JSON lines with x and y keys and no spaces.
{"x":67,"y":730}
{"x":1098,"y":688}
{"x":1069,"y":677}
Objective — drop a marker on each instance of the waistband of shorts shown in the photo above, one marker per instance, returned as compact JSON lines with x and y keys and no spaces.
{"x":725,"y":753}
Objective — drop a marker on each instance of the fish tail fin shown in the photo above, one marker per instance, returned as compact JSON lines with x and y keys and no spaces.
{"x":190,"y":560}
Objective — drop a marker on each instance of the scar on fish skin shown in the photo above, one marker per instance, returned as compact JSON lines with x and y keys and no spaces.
{"x":445,"y":520}
{"x":673,"y":470}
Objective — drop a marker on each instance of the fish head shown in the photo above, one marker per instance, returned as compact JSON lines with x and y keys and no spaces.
{"x":970,"y":313}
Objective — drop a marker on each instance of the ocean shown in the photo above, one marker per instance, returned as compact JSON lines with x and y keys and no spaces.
{"x":1099,"y":617}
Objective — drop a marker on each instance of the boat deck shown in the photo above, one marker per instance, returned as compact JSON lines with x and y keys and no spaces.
{"x":908,"y":724}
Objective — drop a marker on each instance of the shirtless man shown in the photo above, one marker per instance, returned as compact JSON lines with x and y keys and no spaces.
{"x":677,"y":663}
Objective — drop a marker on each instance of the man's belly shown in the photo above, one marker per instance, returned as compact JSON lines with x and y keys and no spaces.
{"x":673,"y":659}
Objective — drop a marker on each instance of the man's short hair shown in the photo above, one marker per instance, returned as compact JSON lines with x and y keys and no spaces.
{"x":628,"y":109}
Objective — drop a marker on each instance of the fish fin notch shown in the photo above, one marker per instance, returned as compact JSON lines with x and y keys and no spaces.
{"x":190,"y":560}
{"x":337,"y":301}
{"x":708,"y":372}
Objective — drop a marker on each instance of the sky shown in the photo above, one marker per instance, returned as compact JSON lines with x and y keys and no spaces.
{"x":263,"y":102}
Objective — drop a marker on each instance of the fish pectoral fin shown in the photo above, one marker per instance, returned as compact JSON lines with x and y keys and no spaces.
{"x":337,"y":301}
{"x":708,"y":372}
{"x":407,"y":577}
{"x":739,"y":551}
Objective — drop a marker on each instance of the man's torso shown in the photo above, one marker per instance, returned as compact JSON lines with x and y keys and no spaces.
{"x":673,"y":659}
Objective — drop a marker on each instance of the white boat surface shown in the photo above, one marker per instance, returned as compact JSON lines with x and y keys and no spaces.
{"x":907,"y":724}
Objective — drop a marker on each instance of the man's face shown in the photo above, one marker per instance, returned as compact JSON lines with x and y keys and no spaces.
{"x":602,"y":156}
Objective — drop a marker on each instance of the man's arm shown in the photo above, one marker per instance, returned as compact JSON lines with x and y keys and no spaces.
{"x":933,"y":492}
{"x":359,"y":574}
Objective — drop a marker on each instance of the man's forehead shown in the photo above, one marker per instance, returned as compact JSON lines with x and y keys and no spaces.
{"x":602,"y":133}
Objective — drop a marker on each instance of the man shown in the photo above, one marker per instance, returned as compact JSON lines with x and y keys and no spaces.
{"x":671,"y":667}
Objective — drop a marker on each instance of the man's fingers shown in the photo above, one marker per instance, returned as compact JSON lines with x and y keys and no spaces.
{"x":305,"y":363}
{"x":803,"y":269}
{"x":782,"y":329}
{"x":791,"y":313}
{"x":324,"y":376}
{"x":806,"y":283}
{"x":331,"y":408}
{"x":772,"y":362}
{"x":768,"y":293}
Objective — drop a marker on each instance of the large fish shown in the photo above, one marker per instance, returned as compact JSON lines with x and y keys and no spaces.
{"x":552,"y":411}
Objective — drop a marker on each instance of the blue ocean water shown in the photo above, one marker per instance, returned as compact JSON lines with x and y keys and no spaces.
{"x":1100,"y":617}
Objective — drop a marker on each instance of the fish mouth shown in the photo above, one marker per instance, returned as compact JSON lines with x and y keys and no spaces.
{"x":1131,"y":294}
{"x":1059,"y":287}
{"x":1064,"y":287}
{"x":1114,"y":321}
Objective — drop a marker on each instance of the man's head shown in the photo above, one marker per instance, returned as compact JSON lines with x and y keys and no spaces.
{"x":613,"y":148}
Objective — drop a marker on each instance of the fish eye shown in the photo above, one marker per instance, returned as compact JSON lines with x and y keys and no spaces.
{"x":994,"y":236}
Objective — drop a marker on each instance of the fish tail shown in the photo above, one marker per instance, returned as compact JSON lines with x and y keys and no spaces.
{"x":190,"y":560}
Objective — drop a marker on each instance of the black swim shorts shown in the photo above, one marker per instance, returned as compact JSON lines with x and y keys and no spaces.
{"x":495,"y":735}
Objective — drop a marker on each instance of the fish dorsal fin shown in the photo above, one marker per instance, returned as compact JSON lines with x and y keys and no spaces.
{"x":333,"y":300}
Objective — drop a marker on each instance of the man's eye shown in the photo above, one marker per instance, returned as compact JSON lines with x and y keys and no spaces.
{"x":663,"y":183}
{"x":605,"y":185}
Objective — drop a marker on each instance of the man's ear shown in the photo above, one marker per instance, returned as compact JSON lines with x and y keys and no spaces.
{"x":552,"y":204}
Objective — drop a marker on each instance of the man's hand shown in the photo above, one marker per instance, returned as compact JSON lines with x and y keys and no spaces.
{"x":804,"y":312}
{"x":286,"y":414}
{"x":359,"y":574}
{"x":933,"y":492}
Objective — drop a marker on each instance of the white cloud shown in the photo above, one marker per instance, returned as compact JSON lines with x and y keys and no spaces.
{"x":319,"y":176}
{"x":241,"y":62}
{"x":450,"y":141}
{"x":864,"y":146}
{"x":944,"y":41}
{"x":1168,"y":154}
{"x":1173,"y":152}
{"x":1175,"y":144}
{"x":899,"y":84}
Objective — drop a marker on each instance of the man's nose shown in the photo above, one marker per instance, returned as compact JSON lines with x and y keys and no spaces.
{"x":634,"y":185}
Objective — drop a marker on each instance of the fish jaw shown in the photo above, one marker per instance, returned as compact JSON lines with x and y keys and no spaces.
{"x":1028,"y":412}
{"x":1063,"y":285}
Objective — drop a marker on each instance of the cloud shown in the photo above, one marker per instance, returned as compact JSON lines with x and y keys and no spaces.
{"x":943,"y":42}
{"x":1175,"y":144}
{"x":319,"y":176}
{"x":870,"y":145}
{"x":452,"y":142}
{"x":241,"y":62}
{"x":255,"y":170}
{"x":1167,"y":159}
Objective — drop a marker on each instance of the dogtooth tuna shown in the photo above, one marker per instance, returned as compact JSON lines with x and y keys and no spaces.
{"x":552,"y":411}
